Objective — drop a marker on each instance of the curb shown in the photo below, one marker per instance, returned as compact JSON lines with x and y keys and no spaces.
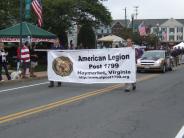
{"x":21,"y":80}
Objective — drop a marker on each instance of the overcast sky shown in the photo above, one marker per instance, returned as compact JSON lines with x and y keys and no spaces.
{"x":148,"y":9}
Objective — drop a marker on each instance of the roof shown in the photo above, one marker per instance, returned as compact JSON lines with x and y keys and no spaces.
{"x":122,"y":22}
{"x":154,"y":22}
{"x":172,"y":23}
{"x":28,"y":29}
{"x":150,"y":22}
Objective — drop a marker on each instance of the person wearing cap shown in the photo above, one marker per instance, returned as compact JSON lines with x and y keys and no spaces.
{"x":3,"y":62}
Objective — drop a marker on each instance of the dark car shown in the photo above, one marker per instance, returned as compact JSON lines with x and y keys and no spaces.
{"x":155,"y":60}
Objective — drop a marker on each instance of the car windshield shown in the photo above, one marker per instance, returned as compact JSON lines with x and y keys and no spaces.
{"x":153,"y":54}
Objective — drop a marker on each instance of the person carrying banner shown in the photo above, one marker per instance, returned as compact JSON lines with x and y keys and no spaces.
{"x":55,"y":46}
{"x":129,"y":86}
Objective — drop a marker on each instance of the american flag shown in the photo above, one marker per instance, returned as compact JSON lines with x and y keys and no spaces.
{"x":164,"y":36}
{"x":37,"y":7}
{"x":142,"y":29}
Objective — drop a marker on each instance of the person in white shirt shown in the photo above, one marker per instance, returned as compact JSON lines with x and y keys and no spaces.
{"x":129,"y":86}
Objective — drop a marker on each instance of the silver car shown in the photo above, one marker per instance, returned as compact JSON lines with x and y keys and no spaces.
{"x":155,"y":60}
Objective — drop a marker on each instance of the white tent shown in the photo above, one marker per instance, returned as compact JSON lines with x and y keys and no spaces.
{"x":111,"y":38}
{"x":181,"y":45}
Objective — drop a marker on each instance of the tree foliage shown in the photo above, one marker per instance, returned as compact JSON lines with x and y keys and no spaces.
{"x":9,"y":12}
{"x":59,"y":14}
{"x":86,"y":37}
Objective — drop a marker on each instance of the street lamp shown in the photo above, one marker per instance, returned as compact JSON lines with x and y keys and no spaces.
{"x":157,"y":35}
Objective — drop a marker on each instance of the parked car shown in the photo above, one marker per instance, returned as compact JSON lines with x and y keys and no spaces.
{"x":155,"y":60}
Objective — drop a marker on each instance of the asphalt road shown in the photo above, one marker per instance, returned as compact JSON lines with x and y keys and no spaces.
{"x":155,"y":110}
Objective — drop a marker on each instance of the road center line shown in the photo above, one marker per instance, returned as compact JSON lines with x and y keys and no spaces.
{"x":49,"y":106}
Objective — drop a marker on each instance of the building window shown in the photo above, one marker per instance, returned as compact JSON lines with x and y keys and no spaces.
{"x":171,"y":38}
{"x":180,"y":37}
{"x":179,"y":29}
{"x":102,"y":31}
{"x":155,"y":30}
{"x":171,"y":31}
{"x":164,"y":29}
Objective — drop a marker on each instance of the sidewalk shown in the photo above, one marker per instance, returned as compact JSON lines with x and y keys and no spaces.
{"x":39,"y":75}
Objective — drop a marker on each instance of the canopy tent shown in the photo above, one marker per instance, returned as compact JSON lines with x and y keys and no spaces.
{"x":111,"y":38}
{"x":116,"y":41}
{"x":34,"y":33}
{"x":180,"y":45}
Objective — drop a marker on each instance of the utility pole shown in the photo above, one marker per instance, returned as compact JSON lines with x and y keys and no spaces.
{"x":136,"y":11}
{"x":132,"y":16}
{"x":125,"y":18}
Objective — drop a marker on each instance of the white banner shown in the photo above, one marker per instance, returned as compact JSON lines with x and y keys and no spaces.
{"x":113,"y":65}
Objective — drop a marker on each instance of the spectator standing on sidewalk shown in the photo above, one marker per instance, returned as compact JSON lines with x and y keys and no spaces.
{"x":3,"y":62}
{"x":25,"y":59}
{"x":34,"y":60}
{"x":71,"y":45}
{"x":18,"y":58}
{"x":55,"y":46}
{"x":129,"y":86}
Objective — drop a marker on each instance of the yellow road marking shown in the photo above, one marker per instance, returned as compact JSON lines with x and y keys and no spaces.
{"x":42,"y":108}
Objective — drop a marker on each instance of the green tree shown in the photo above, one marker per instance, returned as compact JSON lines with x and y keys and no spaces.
{"x":9,"y":12}
{"x":86,"y":37}
{"x":59,"y":14}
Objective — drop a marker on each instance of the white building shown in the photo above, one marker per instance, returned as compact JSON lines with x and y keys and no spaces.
{"x":170,"y":31}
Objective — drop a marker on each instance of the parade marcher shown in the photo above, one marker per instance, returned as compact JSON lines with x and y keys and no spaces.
{"x":129,"y":86}
{"x":174,"y":54}
{"x":182,"y":55}
{"x":3,"y":62}
{"x":34,"y":60}
{"x":55,"y":46}
{"x":25,"y":59}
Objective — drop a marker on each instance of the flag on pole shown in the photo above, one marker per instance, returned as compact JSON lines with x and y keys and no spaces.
{"x":142,"y":29}
{"x":37,"y":7}
{"x":164,"y":35}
